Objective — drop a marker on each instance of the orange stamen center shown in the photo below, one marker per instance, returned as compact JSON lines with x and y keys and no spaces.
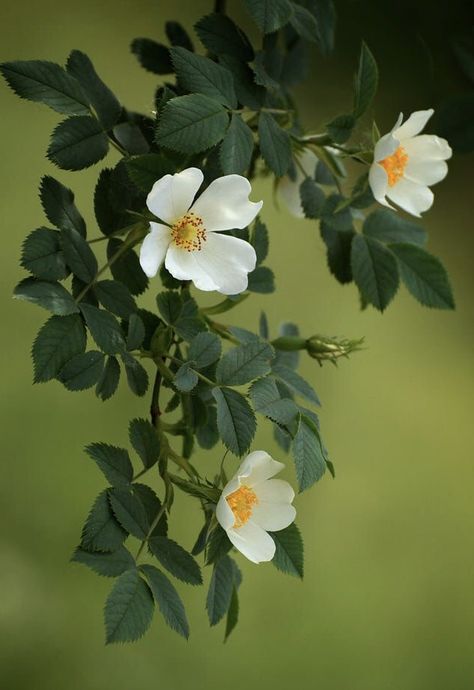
{"x":241,"y":503}
{"x":395,"y":165}
{"x":188,"y":233}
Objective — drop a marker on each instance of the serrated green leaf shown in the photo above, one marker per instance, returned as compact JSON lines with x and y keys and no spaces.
{"x":152,"y":506}
{"x":259,"y":240}
{"x":78,"y":143}
{"x":389,"y":227}
{"x":199,"y":74}
{"x":104,"y":328}
{"x":42,"y":255}
{"x":232,"y":613}
{"x":144,"y":439}
{"x":58,"y":341}
{"x":177,"y":35}
{"x":109,"y":380}
{"x":308,"y":454}
{"x":235,"y":152}
{"x":304,"y":23}
{"x":110,"y":564}
{"x":338,"y":244}
{"x":146,"y":169}
{"x":261,"y":280}
{"x":128,"y":609}
{"x":101,"y":531}
{"x":100,"y":96}
{"x":375,"y":271}
{"x":78,"y":254}
{"x":127,"y":269}
{"x":267,"y":400}
{"x":191,"y":124}
{"x":218,"y":33}
{"x":48,"y":83}
{"x":220,"y":590}
{"x":137,"y":376}
{"x":134,"y":135}
{"x":340,"y":129}
{"x":136,"y":332}
{"x":129,"y":511}
{"x":168,"y":600}
{"x":82,"y":371}
{"x":248,"y":92}
{"x":113,"y":462}
{"x":176,"y":560}
{"x":204,"y":491}
{"x":59,"y":207}
{"x":115,"y":297}
{"x":296,"y":383}
{"x":269,"y":15}
{"x":204,"y":350}
{"x":312,"y":198}
{"x":235,"y":420}
{"x":424,"y":276}
{"x":218,"y":544}
{"x":366,"y":81}
{"x":289,"y":554}
{"x":185,"y":378}
{"x":337,"y":218}
{"x":170,"y":306}
{"x":275,"y":145}
{"x":51,"y":296}
{"x":111,"y":201}
{"x":245,"y":363}
{"x":153,"y":56}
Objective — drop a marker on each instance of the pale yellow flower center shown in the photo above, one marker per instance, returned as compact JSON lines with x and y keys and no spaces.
{"x":395,"y":165}
{"x":241,"y":503}
{"x":189,"y":233}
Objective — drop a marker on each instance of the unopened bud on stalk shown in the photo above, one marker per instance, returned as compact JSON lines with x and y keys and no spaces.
{"x":331,"y":349}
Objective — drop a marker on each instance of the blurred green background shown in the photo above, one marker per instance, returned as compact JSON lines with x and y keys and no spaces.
{"x":387,"y":601}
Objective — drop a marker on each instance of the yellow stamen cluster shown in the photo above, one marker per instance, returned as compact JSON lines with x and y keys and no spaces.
{"x":241,"y":503}
{"x":395,"y":165}
{"x":189,"y":233}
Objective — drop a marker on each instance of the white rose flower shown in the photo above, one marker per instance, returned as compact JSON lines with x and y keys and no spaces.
{"x":188,"y":239}
{"x":406,"y":163}
{"x":253,"y":504}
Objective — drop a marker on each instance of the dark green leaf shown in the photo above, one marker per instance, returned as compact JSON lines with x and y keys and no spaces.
{"x":304,"y":23}
{"x":109,"y":380}
{"x":236,"y":150}
{"x":267,"y":400}
{"x":269,"y":15}
{"x":115,"y":297}
{"x":220,"y":590}
{"x":218,"y":33}
{"x":235,"y":420}
{"x":48,"y":83}
{"x":58,"y":341}
{"x":340,"y":129}
{"x":136,"y":332}
{"x":275,"y":144}
{"x":168,"y":600}
{"x":204,"y":350}
{"x":42,"y":255}
{"x":127,"y":268}
{"x":259,"y":240}
{"x":146,"y":169}
{"x":152,"y":506}
{"x":101,"y":531}
{"x":82,"y":371}
{"x":289,"y":555}
{"x":113,"y":462}
{"x":132,"y":137}
{"x":185,"y":378}
{"x":232,"y":613}
{"x":424,"y":275}
{"x":51,"y":296}
{"x":199,"y":74}
{"x":144,"y":439}
{"x":245,"y":363}
{"x":337,"y":219}
{"x":153,"y":56}
{"x":204,"y":491}
{"x":107,"y":564}
{"x":308,"y":454}
{"x":112,"y":198}
{"x":208,"y":435}
{"x":170,"y":306}
{"x":218,"y":545}
{"x":366,"y":81}
{"x":129,"y":608}
{"x":312,"y":198}
{"x":248,"y":92}
{"x":261,"y":280}
{"x":58,"y":204}
{"x":78,"y":143}
{"x":375,"y":271}
{"x":190,"y":124}
{"x":79,"y":256}
{"x":176,"y":560}
{"x":104,"y":328}
{"x":295,"y":382}
{"x":177,"y":35}
{"x":389,"y":227}
{"x":129,"y":511}
{"x":137,"y":377}
{"x":100,"y":96}
{"x":338,"y":244}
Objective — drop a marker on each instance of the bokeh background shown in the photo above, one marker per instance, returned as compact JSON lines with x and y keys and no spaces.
{"x":387,"y":601}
